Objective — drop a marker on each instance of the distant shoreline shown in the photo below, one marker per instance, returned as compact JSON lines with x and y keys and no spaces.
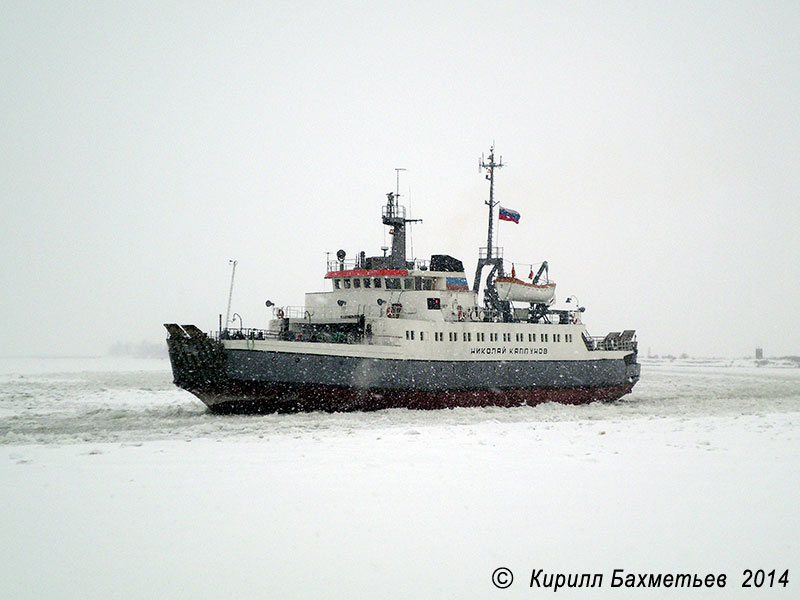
{"x":78,"y":356}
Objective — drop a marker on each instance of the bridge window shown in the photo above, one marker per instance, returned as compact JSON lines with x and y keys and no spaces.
{"x":346,"y":284}
{"x":409,"y":283}
{"x":393,"y":283}
{"x":356,"y":283}
{"x":427,"y":283}
{"x":336,"y":284}
{"x":367,"y":282}
{"x":377,"y":282}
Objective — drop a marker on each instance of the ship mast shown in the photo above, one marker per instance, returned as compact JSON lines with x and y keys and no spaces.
{"x":490,"y":167}
{"x":489,"y":257}
{"x":394,"y":215}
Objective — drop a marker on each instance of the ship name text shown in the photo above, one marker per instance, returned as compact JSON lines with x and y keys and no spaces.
{"x":508,"y":350}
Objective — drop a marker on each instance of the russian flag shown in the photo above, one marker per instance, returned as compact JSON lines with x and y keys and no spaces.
{"x":506,"y":214}
{"x":457,"y":284}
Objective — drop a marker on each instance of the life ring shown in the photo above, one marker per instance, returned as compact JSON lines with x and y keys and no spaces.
{"x":473,"y":314}
{"x":574,"y":318}
{"x":389,"y":311}
{"x":462,"y":316}
{"x":280,"y":313}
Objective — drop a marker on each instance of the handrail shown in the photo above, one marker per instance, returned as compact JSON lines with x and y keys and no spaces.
{"x":497,"y":252}
{"x":421,"y":264}
{"x":248,"y":333}
{"x":393,"y":211}
{"x":344,"y":265}
{"x":344,"y":312}
{"x":252,"y":334}
{"x":355,"y":264}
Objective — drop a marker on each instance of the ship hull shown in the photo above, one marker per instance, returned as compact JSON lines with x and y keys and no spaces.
{"x":254,"y":381}
{"x":262,"y":398}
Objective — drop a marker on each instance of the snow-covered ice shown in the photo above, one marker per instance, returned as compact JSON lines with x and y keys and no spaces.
{"x":116,"y":483}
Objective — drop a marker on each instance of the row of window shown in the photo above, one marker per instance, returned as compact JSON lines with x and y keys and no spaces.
{"x":390,"y":283}
{"x":481,"y":337}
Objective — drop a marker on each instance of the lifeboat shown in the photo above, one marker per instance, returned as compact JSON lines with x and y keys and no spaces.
{"x":516,"y":290}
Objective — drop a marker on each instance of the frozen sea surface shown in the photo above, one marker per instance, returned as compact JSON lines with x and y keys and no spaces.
{"x":116,"y":483}
{"x":56,"y":401}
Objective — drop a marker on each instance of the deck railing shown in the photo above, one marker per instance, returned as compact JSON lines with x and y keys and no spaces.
{"x":344,"y":265}
{"x":336,"y":312}
{"x":393,"y":211}
{"x":334,"y":266}
{"x":421,"y":264}
{"x":248,"y":333}
{"x":497,"y":252}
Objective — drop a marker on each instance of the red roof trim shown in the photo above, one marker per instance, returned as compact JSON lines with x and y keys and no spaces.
{"x":368,"y":273}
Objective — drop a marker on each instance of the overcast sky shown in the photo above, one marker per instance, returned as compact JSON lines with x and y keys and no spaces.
{"x":652,"y":149}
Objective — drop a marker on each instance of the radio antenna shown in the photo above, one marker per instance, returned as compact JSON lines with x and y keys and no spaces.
{"x":397,"y":188}
{"x":397,"y":198}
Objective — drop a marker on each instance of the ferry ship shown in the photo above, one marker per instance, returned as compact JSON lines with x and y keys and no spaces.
{"x":392,"y":331}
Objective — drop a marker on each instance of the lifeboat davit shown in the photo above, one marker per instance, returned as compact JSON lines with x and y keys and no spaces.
{"x":516,"y":290}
